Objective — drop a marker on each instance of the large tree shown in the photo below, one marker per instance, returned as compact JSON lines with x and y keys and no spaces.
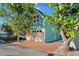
{"x":65,"y":17}
{"x":18,"y":15}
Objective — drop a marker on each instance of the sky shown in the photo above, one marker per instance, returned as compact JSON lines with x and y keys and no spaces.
{"x":44,"y":8}
{"x":1,"y":22}
{"x":41,"y":6}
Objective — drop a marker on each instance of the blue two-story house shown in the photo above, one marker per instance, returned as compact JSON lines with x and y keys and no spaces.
{"x":41,"y":31}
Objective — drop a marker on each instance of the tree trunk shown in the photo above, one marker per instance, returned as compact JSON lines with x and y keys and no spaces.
{"x":65,"y":42}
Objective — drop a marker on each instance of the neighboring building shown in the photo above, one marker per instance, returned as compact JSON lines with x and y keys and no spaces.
{"x":41,"y":31}
{"x":4,"y":34}
{"x":5,"y":30}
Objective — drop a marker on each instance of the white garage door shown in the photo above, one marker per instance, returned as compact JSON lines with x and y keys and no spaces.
{"x":38,"y":35}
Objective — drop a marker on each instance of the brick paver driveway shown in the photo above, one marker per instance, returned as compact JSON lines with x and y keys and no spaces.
{"x":14,"y":50}
{"x":45,"y":47}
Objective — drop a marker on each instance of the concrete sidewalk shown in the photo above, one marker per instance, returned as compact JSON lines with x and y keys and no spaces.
{"x":14,"y":50}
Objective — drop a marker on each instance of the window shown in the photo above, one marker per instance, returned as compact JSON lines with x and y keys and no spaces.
{"x":36,"y":18}
{"x":37,"y":31}
{"x":40,"y":31}
{"x":34,"y":21}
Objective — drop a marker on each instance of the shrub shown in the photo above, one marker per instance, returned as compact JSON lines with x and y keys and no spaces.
{"x":4,"y":38}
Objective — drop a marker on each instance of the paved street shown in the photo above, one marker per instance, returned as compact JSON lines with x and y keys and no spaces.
{"x":14,"y":50}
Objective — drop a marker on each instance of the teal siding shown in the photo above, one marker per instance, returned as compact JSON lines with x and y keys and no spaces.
{"x":49,"y":34}
{"x":38,"y":24}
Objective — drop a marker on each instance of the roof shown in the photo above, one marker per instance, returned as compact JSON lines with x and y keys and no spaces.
{"x":41,"y":13}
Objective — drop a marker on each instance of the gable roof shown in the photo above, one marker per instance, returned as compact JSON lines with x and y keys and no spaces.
{"x":41,"y":13}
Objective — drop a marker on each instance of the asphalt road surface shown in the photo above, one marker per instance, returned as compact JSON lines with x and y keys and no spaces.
{"x":14,"y":50}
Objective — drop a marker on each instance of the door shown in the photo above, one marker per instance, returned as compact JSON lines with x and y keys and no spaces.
{"x":38,"y":35}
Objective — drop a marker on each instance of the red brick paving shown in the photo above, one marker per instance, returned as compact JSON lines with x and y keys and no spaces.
{"x":46,"y":47}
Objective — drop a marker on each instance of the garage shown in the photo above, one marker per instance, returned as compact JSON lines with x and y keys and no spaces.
{"x":38,"y":35}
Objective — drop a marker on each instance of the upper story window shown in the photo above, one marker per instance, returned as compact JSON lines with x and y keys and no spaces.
{"x":36,"y":18}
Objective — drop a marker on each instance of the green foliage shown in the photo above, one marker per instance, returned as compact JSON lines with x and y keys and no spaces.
{"x":1,"y":9}
{"x":71,"y":34}
{"x":65,"y":17}
{"x":2,"y":12}
{"x":20,"y":15}
{"x":4,"y":38}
